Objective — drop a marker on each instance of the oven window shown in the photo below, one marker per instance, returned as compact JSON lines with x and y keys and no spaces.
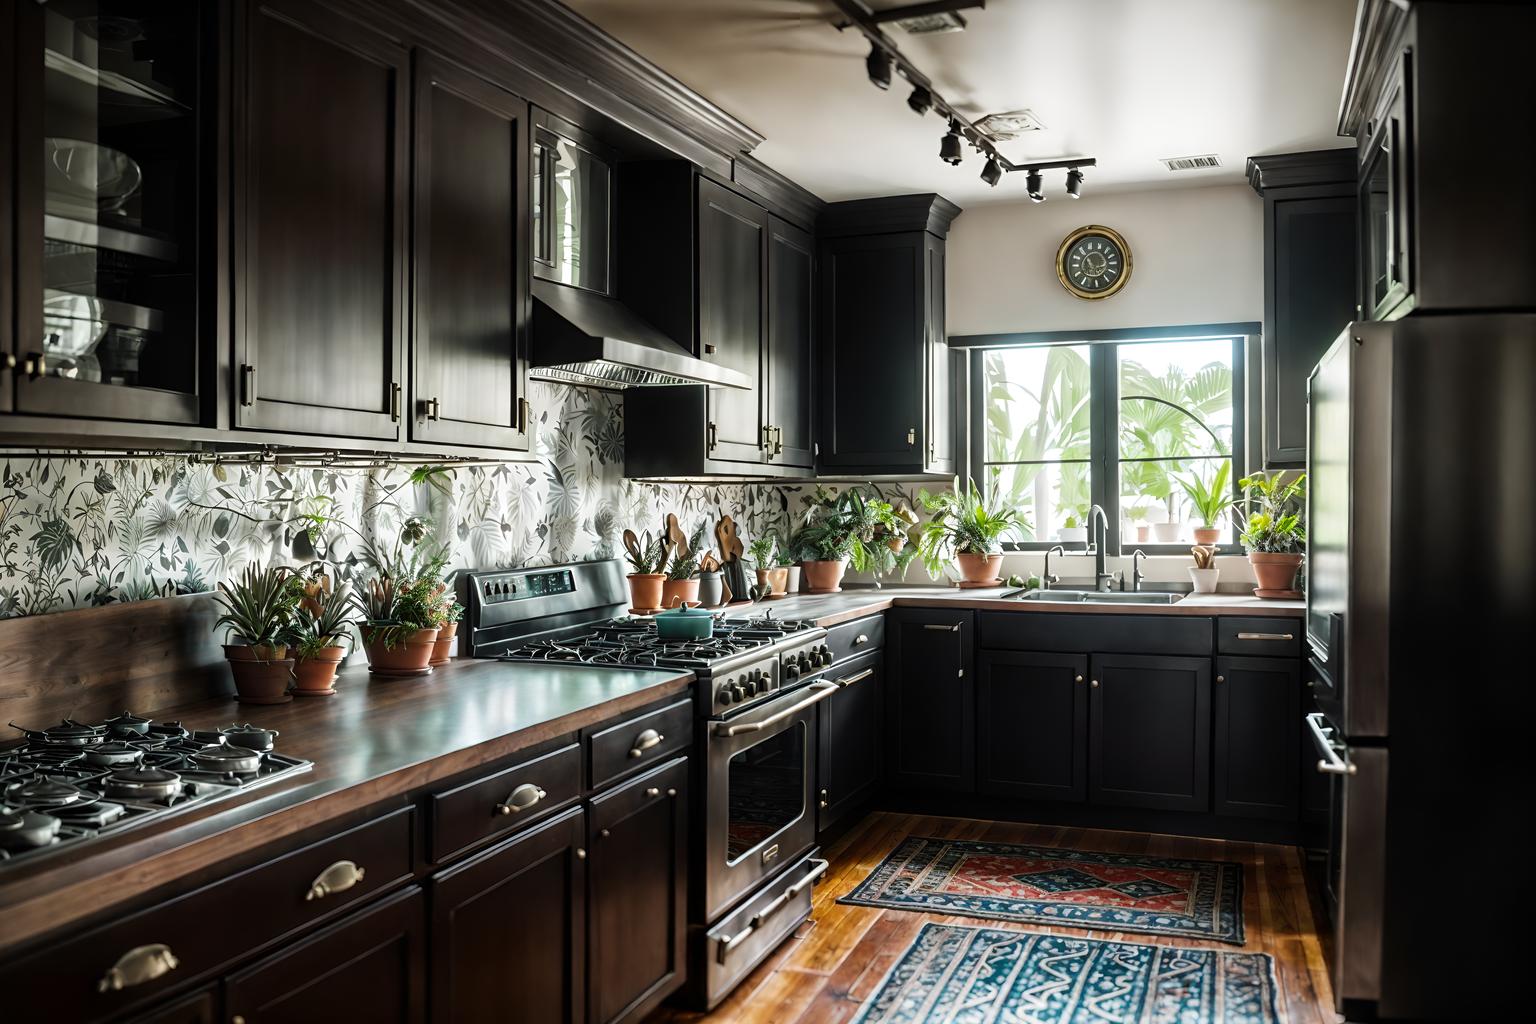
{"x":765,"y":790}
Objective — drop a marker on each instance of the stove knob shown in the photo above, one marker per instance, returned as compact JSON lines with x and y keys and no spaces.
{"x":723,"y":695}
{"x":826,"y":654}
{"x":805,"y":662}
{"x":738,"y":694}
{"x":791,"y":671}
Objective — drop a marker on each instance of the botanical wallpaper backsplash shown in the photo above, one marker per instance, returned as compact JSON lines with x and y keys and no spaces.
{"x":77,"y":532}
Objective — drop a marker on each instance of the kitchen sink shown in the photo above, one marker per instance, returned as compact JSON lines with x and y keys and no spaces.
{"x":1093,"y":597}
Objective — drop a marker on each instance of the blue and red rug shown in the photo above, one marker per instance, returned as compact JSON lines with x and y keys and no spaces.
{"x":959,"y":975}
{"x":1198,"y":899}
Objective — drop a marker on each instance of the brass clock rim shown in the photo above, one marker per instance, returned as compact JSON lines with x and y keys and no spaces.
{"x":1072,"y":239}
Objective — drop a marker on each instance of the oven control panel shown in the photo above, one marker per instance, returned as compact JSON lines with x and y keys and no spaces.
{"x":782,"y":668}
{"x":745,"y":685}
{"x":805,"y":659}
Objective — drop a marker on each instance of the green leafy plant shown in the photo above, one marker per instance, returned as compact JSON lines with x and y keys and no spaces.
{"x":855,"y":526}
{"x":1208,"y":502}
{"x":322,"y":622}
{"x":1272,"y":513}
{"x":763,"y":551}
{"x":259,"y":607}
{"x":963,"y":523}
{"x":683,"y":566}
{"x":651,"y":557}
{"x":408,"y":596}
{"x":1069,"y":523}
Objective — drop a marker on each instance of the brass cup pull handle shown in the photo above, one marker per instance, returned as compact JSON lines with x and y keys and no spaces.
{"x":339,"y":877}
{"x":138,"y":965}
{"x":645,"y":741}
{"x":521,"y":798}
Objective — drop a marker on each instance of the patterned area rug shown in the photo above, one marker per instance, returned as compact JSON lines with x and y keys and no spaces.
{"x":1199,"y":899}
{"x":954,"y":974}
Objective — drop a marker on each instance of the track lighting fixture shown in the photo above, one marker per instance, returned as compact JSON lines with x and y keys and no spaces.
{"x":878,"y":64}
{"x":921,"y":100}
{"x":993,"y":172}
{"x":950,"y":148}
{"x":1032,"y":185}
{"x":1075,"y":183}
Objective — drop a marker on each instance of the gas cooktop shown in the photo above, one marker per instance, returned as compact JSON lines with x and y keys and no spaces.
{"x":74,"y":781}
{"x":633,"y":642}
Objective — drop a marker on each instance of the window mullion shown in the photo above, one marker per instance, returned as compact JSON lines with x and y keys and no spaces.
{"x":1103,"y":396}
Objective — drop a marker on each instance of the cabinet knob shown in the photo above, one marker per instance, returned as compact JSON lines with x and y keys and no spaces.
{"x":672,"y":792}
{"x":709,"y":350}
{"x":8,"y":362}
{"x":1077,"y":679}
{"x":36,"y":365}
{"x":1094,"y":683}
{"x":604,"y":834}
{"x":653,"y":792}
{"x":581,"y":854}
{"x":822,"y":803}
{"x":1221,"y":679}
{"x":911,"y":436}
{"x":237,"y":1019}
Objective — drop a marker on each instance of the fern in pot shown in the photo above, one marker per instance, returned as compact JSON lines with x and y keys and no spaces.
{"x":259,"y":609}
{"x":1272,"y":515}
{"x":849,"y":528}
{"x":322,"y":630}
{"x":965,"y":530}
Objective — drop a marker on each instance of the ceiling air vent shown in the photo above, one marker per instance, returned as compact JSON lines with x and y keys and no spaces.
{"x":1191,"y":163}
{"x":1009,"y":126}
{"x":932,"y":24}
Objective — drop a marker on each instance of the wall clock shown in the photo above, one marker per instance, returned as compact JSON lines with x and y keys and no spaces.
{"x":1093,"y":262}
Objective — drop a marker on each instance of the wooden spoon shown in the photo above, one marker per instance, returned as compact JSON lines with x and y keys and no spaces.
{"x":674,"y":531}
{"x":632,"y":544}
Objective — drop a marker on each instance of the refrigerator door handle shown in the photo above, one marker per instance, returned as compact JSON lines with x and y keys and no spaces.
{"x":1332,"y":762}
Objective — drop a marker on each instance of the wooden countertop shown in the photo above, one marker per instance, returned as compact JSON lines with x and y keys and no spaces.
{"x":377,"y":739}
{"x":831,"y":609}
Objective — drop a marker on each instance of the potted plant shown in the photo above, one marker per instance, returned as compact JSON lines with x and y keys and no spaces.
{"x":1272,"y":516}
{"x":965,"y":529}
{"x":447,"y":613}
{"x":791,"y":566}
{"x":1203,"y":574}
{"x":848,"y":528}
{"x":1073,"y":532}
{"x":258,"y":617}
{"x":770,"y":573}
{"x":681,"y":586}
{"x":320,"y":635}
{"x":1208,"y":503}
{"x":647,"y":557}
{"x":1136,"y":515}
{"x":398,"y":610}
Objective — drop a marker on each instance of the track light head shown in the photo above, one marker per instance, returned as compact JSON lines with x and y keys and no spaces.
{"x":1032,"y":184}
{"x":1075,"y":183}
{"x":878,"y":64}
{"x":993,"y":172}
{"x":921,"y":100}
{"x":950,"y":150}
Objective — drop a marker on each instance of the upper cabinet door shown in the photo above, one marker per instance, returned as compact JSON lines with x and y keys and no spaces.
{"x":470,"y":353}
{"x":321,"y":217}
{"x":791,"y":322}
{"x":939,"y":432}
{"x":111,"y":190}
{"x":733,"y":284}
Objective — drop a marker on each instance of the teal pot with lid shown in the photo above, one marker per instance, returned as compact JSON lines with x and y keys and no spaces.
{"x":685,"y":624}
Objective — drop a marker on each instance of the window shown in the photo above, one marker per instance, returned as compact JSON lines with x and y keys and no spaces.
{"x":1148,"y":428}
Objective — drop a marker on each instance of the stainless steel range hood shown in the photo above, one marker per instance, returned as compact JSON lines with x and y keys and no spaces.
{"x":592,"y":340}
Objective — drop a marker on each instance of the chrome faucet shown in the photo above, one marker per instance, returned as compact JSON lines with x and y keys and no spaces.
{"x":1046,"y":579}
{"x":1098,"y":532}
{"x":1136,"y":574}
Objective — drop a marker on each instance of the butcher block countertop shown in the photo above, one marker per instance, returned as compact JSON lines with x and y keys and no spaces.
{"x":377,"y":739}
{"x":853,"y":603}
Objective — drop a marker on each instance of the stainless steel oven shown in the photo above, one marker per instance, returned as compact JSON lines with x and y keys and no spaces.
{"x":759,"y":810}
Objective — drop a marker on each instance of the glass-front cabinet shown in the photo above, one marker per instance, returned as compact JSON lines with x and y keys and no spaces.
{"x":107,"y":208}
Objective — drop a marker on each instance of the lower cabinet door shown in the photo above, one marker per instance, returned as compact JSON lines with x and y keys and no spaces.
{"x":367,"y":967}
{"x":1258,"y":727}
{"x":638,"y":883}
{"x":1032,"y":725}
{"x":1149,"y":732}
{"x":848,"y":738}
{"x":930,"y":704}
{"x":508,"y":929}
{"x":200,"y":1007}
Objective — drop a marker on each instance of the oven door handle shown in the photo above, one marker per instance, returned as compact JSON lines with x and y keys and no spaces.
{"x":1332,"y":762}
{"x":728,"y":946}
{"x":820,"y":691}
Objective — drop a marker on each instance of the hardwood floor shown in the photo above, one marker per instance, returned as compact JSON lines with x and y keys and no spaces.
{"x":838,"y":958}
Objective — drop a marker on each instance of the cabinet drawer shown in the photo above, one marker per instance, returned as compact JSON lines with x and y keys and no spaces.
{"x":857,"y":637}
{"x":206,"y":928}
{"x":639,"y":742}
{"x":1265,"y":636}
{"x":504,"y":801}
{"x":1082,"y":633}
{"x":734,"y":946}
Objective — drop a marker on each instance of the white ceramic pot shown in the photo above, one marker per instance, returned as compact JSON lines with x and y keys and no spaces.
{"x":1167,"y":533}
{"x":1157,"y":514}
{"x":1204,"y":579}
{"x":1074,"y":535}
{"x":792,"y":581}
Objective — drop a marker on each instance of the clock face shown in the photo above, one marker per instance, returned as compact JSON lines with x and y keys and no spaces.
{"x":1093,"y":262}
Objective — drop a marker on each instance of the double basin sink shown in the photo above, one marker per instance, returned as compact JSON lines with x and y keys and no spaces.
{"x":1092,"y":597}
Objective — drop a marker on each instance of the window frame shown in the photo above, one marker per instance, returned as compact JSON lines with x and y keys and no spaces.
{"x":1104,"y":416}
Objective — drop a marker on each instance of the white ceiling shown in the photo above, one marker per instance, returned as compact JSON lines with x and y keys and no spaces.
{"x":1126,"y":81}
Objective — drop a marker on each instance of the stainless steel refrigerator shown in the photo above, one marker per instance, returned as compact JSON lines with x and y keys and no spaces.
{"x":1421,"y":623}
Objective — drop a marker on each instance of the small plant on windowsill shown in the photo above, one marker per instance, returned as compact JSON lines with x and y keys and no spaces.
{"x":1208,"y":502}
{"x":965,"y":529}
{"x":1272,"y":516}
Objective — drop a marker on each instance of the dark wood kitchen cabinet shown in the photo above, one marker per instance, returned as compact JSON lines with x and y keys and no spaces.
{"x":638,"y":890}
{"x":1032,"y":725}
{"x":930,"y":703}
{"x":469,"y":344}
{"x":509,"y":928}
{"x":733,"y":306}
{"x":1258,"y":727}
{"x":369,"y":967}
{"x":1149,"y":731}
{"x":201,"y":1007}
{"x":787,"y":356}
{"x":885,"y":385}
{"x":321,"y":139}
{"x":1309,"y":283}
{"x":849,"y":740}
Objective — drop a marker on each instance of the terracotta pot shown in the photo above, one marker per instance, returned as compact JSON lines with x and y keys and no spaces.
{"x":679,"y":592}
{"x":1207,"y":536}
{"x":823,"y":577}
{"x":1142,"y":529}
{"x":978,"y":568}
{"x":442,"y":648}
{"x":259,"y":680}
{"x":315,"y":676}
{"x":1274,"y":571}
{"x":1204,"y":579}
{"x":413,"y":654}
{"x":645,"y":590}
{"x":777,"y":578}
{"x":258,"y":652}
